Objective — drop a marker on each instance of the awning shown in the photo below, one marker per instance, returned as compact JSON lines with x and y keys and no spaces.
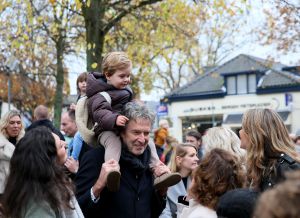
{"x":237,"y":118}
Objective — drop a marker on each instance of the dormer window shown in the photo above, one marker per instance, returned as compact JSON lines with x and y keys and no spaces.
{"x":231,"y":85}
{"x":241,"y":84}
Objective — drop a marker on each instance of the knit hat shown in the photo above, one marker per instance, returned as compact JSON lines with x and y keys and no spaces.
{"x":237,"y":203}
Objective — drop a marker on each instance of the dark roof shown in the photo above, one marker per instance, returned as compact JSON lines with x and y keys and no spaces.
{"x":274,"y":78}
{"x":242,"y":63}
{"x":212,"y":81}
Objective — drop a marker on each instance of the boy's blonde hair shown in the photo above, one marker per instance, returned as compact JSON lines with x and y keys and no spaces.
{"x":114,"y":61}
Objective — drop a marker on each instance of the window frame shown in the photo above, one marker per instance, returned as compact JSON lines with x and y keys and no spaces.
{"x":235,"y":76}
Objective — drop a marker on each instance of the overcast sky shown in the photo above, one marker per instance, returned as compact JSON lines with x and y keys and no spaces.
{"x":254,"y":18}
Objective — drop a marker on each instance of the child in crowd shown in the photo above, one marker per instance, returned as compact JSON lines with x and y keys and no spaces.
{"x":160,"y":136}
{"x":113,"y":83}
{"x":81,"y":88}
{"x":75,"y":147}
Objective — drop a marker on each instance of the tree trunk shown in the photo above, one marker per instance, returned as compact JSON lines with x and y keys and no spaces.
{"x":58,"y":101}
{"x":93,"y":17}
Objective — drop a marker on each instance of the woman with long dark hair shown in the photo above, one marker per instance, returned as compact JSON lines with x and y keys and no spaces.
{"x":37,"y":185}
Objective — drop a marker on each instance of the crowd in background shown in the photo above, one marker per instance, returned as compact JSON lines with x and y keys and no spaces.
{"x":44,"y":173}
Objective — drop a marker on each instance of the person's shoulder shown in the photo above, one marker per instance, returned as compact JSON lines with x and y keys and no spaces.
{"x":96,"y":83}
{"x":36,"y":209}
{"x":197,"y":210}
{"x":38,"y":123}
{"x":2,"y":137}
{"x":129,"y":89}
{"x":286,"y":163}
{"x":6,"y":146}
{"x":94,"y":154}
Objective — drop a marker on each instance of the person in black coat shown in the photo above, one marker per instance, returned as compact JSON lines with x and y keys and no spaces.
{"x":41,"y":118}
{"x":136,"y":196}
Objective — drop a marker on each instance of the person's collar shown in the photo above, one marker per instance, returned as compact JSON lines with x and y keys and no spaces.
{"x":13,"y":140}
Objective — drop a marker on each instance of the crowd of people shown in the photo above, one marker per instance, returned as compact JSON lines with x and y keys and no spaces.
{"x":124,"y":172}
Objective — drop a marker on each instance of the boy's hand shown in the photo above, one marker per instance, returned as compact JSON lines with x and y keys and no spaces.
{"x":73,"y":106}
{"x":121,"y":120}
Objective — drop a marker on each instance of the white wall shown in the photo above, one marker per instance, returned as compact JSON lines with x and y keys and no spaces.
{"x":233,"y":104}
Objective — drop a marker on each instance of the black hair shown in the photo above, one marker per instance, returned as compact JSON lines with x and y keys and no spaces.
{"x":35,"y":175}
{"x":195,"y":134}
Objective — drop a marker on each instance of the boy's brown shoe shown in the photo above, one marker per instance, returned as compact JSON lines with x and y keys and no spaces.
{"x":166,"y":180}
{"x":113,"y":180}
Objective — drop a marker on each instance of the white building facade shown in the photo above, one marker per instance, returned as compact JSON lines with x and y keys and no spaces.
{"x":223,"y":94}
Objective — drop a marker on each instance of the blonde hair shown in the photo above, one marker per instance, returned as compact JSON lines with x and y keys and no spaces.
{"x":163,"y":122}
{"x":224,"y":138}
{"x":5,"y":121}
{"x":114,"y":61}
{"x":179,"y":151}
{"x":268,"y":138}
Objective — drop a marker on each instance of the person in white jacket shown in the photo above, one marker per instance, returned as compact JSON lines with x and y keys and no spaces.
{"x":183,"y":160}
{"x":11,"y":131}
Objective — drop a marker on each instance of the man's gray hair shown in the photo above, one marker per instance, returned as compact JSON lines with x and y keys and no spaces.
{"x":134,"y":111}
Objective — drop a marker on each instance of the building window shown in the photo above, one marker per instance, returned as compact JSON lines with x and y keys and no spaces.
{"x":241,"y":84}
{"x":231,"y":85}
{"x":251,"y":83}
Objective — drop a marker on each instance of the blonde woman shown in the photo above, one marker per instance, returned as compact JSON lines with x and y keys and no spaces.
{"x":183,"y":160}
{"x":11,"y":131}
{"x":218,"y":172}
{"x":224,"y":138}
{"x":270,"y":151}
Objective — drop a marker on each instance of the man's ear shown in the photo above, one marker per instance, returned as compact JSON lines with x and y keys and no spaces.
{"x":121,"y":134}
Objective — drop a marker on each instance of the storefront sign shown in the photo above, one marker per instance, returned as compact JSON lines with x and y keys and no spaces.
{"x":288,"y":99}
{"x":229,"y":107}
{"x":162,"y":110}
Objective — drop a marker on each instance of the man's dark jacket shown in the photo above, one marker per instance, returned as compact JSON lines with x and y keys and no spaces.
{"x":48,"y":124}
{"x":136,"y":197}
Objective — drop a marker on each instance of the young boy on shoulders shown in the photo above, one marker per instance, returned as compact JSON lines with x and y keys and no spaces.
{"x":114,"y":81}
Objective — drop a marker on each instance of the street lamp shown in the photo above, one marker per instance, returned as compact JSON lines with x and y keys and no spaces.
{"x":11,"y":64}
